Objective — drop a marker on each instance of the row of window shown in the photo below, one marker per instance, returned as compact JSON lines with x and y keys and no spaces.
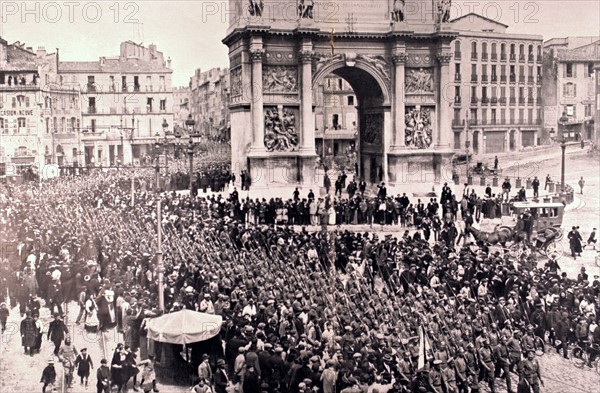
{"x":494,"y":51}
{"x":162,"y":105}
{"x":492,"y":93}
{"x":512,"y":72}
{"x":571,"y":110}
{"x":570,"y":70}
{"x":533,"y":117}
{"x":22,"y":101}
{"x":92,"y":87}
{"x":59,"y":125}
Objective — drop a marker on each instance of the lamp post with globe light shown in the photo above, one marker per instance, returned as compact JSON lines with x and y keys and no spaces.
{"x":190,"y":123}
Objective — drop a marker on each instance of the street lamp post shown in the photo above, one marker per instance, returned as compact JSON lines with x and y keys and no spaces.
{"x":563,"y":147}
{"x":190,"y":123}
{"x":159,"y":259}
{"x":467,"y":145}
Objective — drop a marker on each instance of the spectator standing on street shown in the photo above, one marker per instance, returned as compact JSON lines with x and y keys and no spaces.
{"x":536,"y":187}
{"x":56,"y":332}
{"x":581,"y":184}
{"x":592,"y":238}
{"x":506,"y":189}
{"x":48,"y":376}
{"x":548,"y":181}
{"x":4,"y":312}
{"x":103,"y":377}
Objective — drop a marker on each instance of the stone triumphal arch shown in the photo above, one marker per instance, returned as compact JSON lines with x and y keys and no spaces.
{"x":394,"y":54}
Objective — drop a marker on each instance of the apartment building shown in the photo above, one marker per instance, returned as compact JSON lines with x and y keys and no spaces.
{"x":497,"y":87}
{"x":570,"y":86}
{"x":210,"y":94}
{"x":181,"y":105}
{"x":127,"y":101}
{"x":39,"y":119}
{"x":335,"y":117}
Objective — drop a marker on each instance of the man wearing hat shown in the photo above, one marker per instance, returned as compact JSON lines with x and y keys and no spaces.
{"x":48,"y":376}
{"x":435,"y":377}
{"x":486,"y":361}
{"x":503,"y":362}
{"x":529,"y":371}
{"x":56,"y":332}
{"x":84,"y":364}
{"x":103,"y":377}
{"x":220,"y":377}
{"x":204,"y":370}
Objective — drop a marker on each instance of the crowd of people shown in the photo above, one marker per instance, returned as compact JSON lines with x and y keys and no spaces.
{"x":325,"y":311}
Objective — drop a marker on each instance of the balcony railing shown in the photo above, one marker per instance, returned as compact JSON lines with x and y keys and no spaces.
{"x":493,"y":122}
{"x":485,"y":100}
{"x":458,"y":122}
{"x":521,"y":78}
{"x":473,"y":77}
{"x":457,"y":100}
{"x":473,"y":55}
{"x":531,"y":58}
{"x":136,"y":88}
{"x":457,"y":77}
{"x":503,"y":56}
{"x":91,"y":88}
{"x":474,"y":100}
{"x":513,"y":57}
{"x":530,"y":101}
{"x":494,"y":78}
{"x":522,"y":58}
{"x":457,"y":55}
{"x":502,"y":78}
{"x":92,"y":109}
{"x":539,"y":79}
{"x":473,"y":122}
{"x":539,"y":58}
{"x":513,"y":78}
{"x":484,"y":56}
{"x":521,"y":100}
{"x":484,"y":78}
{"x":502,"y":100}
{"x":494,"y":100}
{"x":494,"y":57}
{"x":512,"y":100}
{"x":530,"y":79}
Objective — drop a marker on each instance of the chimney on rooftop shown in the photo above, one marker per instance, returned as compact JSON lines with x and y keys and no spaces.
{"x":169,"y":62}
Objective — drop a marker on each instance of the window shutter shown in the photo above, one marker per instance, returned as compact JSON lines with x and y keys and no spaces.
{"x":574,"y":90}
{"x":574,"y":67}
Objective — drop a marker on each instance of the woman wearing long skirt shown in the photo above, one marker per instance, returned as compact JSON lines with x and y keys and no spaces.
{"x":91,"y":317}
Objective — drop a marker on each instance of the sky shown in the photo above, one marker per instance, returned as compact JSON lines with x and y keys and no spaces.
{"x":190,"y":32}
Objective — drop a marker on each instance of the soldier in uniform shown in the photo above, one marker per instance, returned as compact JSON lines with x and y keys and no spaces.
{"x":405,"y":368}
{"x":503,"y":362}
{"x":529,"y":371}
{"x":435,"y":377}
{"x":460,"y":366}
{"x":449,"y":377}
{"x":486,"y":361}
{"x":514,"y":350}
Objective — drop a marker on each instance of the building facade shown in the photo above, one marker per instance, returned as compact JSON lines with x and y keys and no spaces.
{"x":210,"y":102}
{"x":496,"y":88}
{"x":126,"y":101}
{"x":181,"y":105}
{"x":40,"y":120}
{"x":570,"y":86}
{"x":335,"y":117}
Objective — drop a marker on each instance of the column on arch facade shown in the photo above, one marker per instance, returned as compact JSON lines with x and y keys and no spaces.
{"x":399,"y":60}
{"x":445,"y":115}
{"x":258,"y":121}
{"x":306,"y":113}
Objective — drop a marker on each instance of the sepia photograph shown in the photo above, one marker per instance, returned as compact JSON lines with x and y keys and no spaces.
{"x":299,"y":196}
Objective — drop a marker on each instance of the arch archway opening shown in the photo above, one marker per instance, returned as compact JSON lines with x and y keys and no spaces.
{"x":349,"y":122}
